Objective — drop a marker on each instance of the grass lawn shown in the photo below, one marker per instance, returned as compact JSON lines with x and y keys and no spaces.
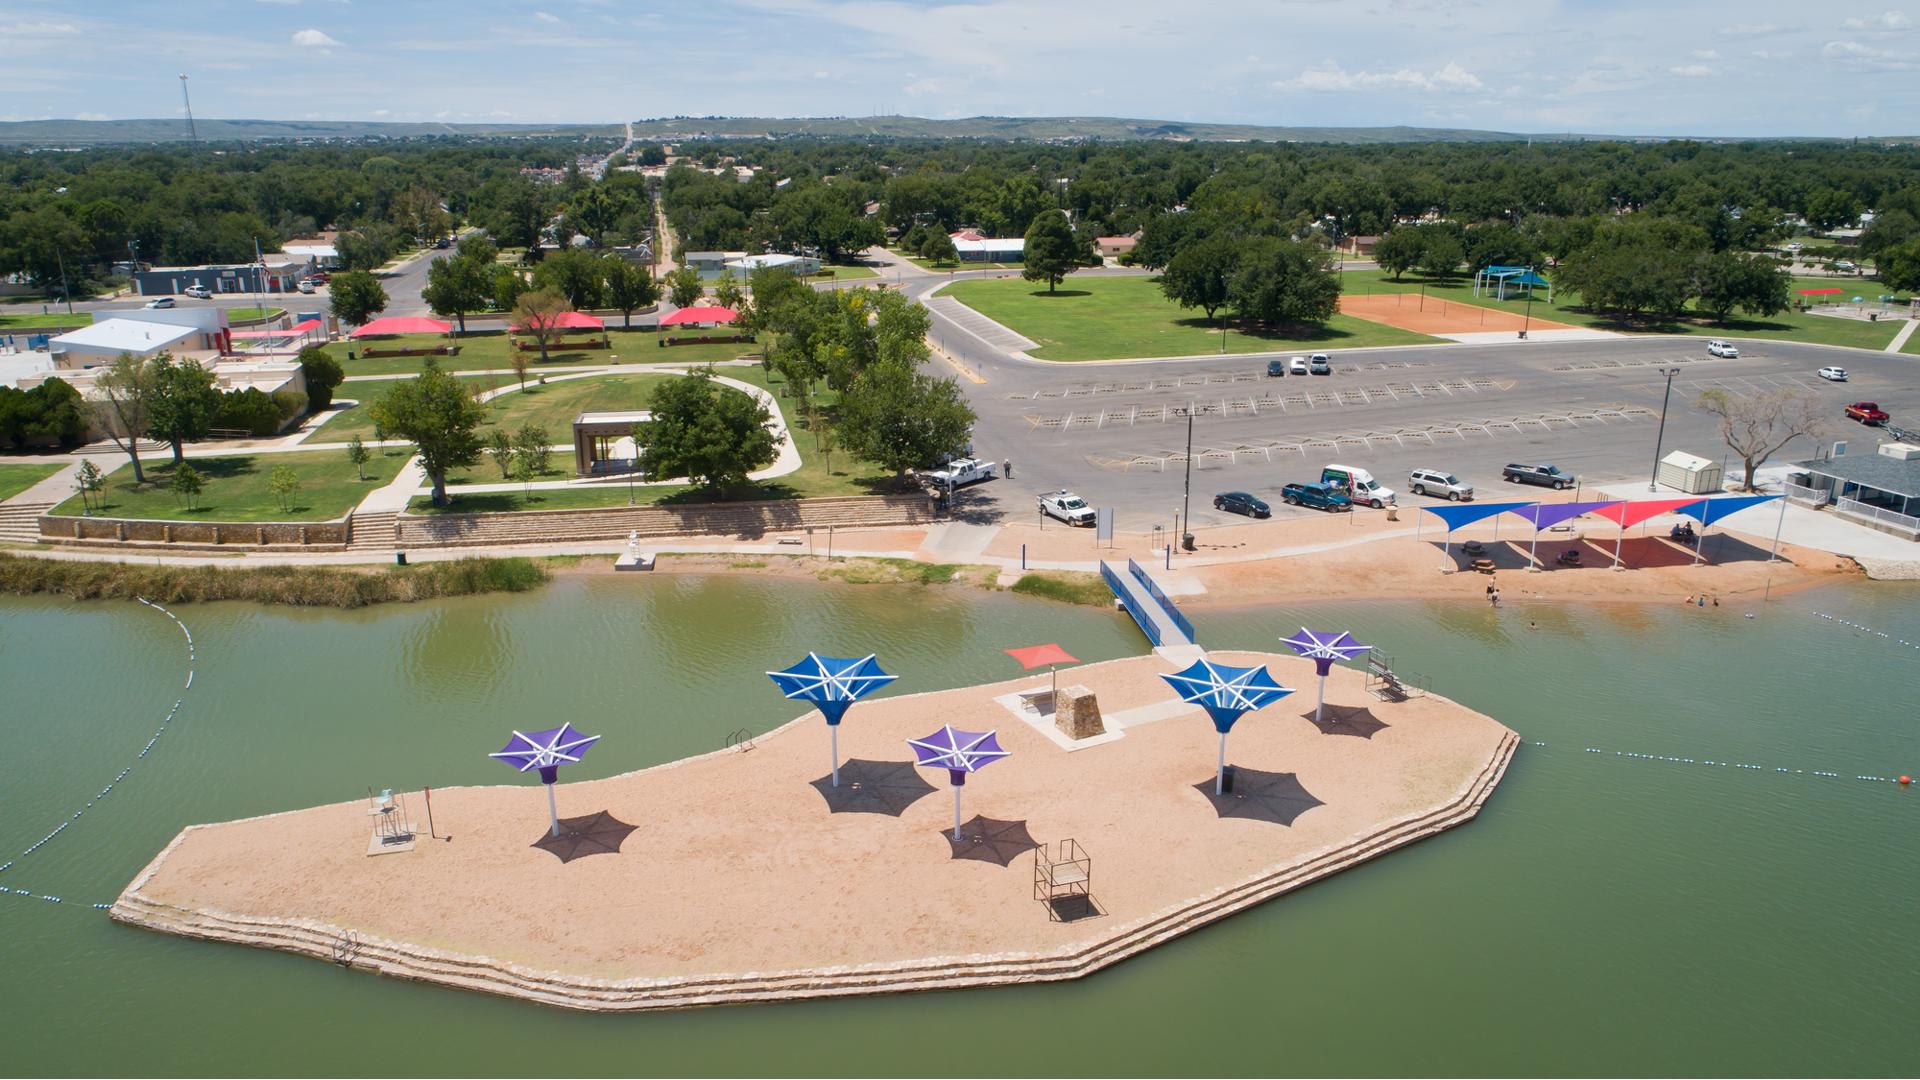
{"x":24,"y":322}
{"x":349,"y":422}
{"x":1110,"y":318}
{"x":843,"y":273}
{"x":488,"y":352}
{"x":1791,"y":325}
{"x":1912,"y":347}
{"x":15,"y":479}
{"x":242,"y":314}
{"x":236,"y":488}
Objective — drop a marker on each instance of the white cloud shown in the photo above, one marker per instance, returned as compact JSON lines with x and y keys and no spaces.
{"x":1886,"y":21}
{"x":1751,"y":30}
{"x":1705,"y":54}
{"x":546,"y":16}
{"x":1331,"y":78}
{"x":1868,"y":58}
{"x":1691,"y":71}
{"x":36,"y":29}
{"x":313,"y":39}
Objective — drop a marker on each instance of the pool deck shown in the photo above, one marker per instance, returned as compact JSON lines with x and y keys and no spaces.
{"x":739,"y":884}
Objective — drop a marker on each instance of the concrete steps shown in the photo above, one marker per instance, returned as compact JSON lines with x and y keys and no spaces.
{"x":20,"y":522}
{"x":738,"y":520}
{"x":375,"y":531}
{"x":1123,"y":939}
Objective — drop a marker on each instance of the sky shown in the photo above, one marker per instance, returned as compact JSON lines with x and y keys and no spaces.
{"x":1626,"y":67}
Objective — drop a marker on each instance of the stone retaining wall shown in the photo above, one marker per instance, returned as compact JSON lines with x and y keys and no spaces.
{"x":64,"y":529}
{"x":746,"y":520}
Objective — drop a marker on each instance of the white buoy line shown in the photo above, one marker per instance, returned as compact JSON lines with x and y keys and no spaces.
{"x":165,"y":722}
{"x":1851,"y":625}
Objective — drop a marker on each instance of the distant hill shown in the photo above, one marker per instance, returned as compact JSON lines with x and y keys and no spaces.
{"x":102,"y":132}
{"x":1042,"y":128}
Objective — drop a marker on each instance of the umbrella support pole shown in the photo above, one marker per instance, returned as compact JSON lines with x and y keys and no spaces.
{"x":833,"y":741}
{"x":956,"y":814}
{"x":553,"y":811}
{"x":1320,"y":705}
{"x":1220,"y":774}
{"x":1617,"y":541}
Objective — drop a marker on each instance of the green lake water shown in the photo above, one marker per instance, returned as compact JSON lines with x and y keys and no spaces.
{"x":1604,"y":915}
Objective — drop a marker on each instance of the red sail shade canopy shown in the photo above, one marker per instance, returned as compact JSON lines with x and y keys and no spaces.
{"x":689,"y":315}
{"x":402,"y":324}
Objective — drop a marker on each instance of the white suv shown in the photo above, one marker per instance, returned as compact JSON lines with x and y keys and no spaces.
{"x":1441,"y":483}
{"x":1716,"y":347}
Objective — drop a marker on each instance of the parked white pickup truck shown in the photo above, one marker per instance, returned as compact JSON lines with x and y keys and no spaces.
{"x":961,"y":472}
{"x":1066,"y":506}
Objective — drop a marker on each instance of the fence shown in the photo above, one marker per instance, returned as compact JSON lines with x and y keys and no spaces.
{"x":1120,"y":591}
{"x":1877,"y":513}
{"x":1815,"y":497}
{"x":1161,"y":598}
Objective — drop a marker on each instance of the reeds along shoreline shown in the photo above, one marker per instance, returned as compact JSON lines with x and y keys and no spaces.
{"x":301,"y":586}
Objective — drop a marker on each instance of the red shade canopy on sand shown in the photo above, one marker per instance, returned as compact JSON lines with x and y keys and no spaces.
{"x":1629,"y":514}
{"x":402,"y":324}
{"x":573,"y":320}
{"x":700,"y":315}
{"x":1034,"y":656}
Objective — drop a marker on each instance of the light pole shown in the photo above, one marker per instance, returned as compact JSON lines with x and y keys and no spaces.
{"x":1653,"y":481}
{"x":1186,"y":500}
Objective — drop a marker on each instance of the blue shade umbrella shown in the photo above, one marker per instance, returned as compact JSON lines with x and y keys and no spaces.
{"x":1226,"y":693}
{"x":1323,"y":649}
{"x":958,"y":752}
{"x":546,"y":751}
{"x":832,"y":684}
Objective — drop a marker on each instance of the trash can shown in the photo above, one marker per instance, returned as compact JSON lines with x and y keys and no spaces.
{"x":399,"y":558}
{"x":1186,"y":541}
{"x":1226,"y":781}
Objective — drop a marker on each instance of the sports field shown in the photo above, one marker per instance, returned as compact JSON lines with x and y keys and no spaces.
{"x":1432,"y":315}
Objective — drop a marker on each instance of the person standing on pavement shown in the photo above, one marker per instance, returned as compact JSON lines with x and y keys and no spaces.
{"x":1006,"y":467}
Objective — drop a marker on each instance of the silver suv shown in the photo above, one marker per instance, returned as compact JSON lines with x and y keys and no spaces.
{"x":1440,"y":483}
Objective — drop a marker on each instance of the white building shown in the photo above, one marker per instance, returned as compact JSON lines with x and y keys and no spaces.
{"x":992,"y":249}
{"x":324,"y":256}
{"x":798,"y":264}
{"x":200,"y":331}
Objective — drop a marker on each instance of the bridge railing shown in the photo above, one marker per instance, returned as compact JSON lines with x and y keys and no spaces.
{"x":1160,"y":597}
{"x":1125,"y":596}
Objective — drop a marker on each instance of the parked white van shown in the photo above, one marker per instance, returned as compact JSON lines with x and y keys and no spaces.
{"x":1359,"y":485}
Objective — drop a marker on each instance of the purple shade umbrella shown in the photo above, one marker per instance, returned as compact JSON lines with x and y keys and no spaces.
{"x":546,"y":751}
{"x":1323,"y":649}
{"x":958,"y":752}
{"x":1227,"y":693}
{"x":832,"y":683}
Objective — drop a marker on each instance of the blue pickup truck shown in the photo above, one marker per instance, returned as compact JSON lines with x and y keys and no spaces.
{"x":1318,"y":496}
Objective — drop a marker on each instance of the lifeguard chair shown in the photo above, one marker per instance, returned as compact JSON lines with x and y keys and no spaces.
{"x":1063,"y":880}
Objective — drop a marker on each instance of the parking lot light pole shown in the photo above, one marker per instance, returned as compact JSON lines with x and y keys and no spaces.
{"x":1653,"y":481}
{"x":1186,"y":500}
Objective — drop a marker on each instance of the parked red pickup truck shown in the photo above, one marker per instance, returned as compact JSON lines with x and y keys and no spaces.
{"x":1866,"y":412}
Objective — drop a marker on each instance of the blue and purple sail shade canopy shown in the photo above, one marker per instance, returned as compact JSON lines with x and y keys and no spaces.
{"x":545,"y":750}
{"x":959,"y":752}
{"x":831,"y":682}
{"x":1324,"y":647}
{"x":1542,"y":515}
{"x":1227,"y":693}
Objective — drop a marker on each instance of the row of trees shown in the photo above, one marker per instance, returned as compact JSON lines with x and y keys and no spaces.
{"x":718,"y":212}
{"x":178,"y":402}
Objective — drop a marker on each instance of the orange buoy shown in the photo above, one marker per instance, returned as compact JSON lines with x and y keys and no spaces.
{"x":1905,"y":780}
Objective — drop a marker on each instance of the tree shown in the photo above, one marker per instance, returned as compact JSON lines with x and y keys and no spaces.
{"x":1498,"y":244}
{"x":1399,"y":251}
{"x":1051,"y":251}
{"x":684,"y":287}
{"x":478,"y":247}
{"x":711,"y":434}
{"x":323,"y":375}
{"x":508,"y":284}
{"x":576,"y":273}
{"x":358,"y":456}
{"x":533,"y":442}
{"x":629,"y":287}
{"x":357,"y":297}
{"x":185,"y":401}
{"x":1200,"y":274}
{"x":1900,"y":265}
{"x":520,"y":467}
{"x":500,"y":449}
{"x":1756,"y":285}
{"x":50,"y":412}
{"x":519,"y":361}
{"x":1440,"y":252}
{"x":458,"y":285}
{"x":1754,"y":426}
{"x":901,"y":419}
{"x":938,"y":248}
{"x":285,"y":485}
{"x":439,"y":417}
{"x":186,"y":484}
{"x":538,"y":313}
{"x":727,"y":292}
{"x":365,"y":249}
{"x":89,"y":480}
{"x":125,"y":403}
{"x":1831,"y":208}
{"x":1284,"y":281}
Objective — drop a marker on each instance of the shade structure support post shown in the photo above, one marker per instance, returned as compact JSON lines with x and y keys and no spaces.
{"x":1699,"y":544}
{"x":1418,"y":518}
{"x":1220,"y":773}
{"x":1446,"y":552}
{"x":1320,"y":705}
{"x":1617,"y":541}
{"x":956,"y":812}
{"x":1533,"y":551}
{"x":553,"y":811}
{"x":833,"y":750}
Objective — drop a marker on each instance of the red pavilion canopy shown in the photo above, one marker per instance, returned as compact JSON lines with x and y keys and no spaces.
{"x":573,"y":320}
{"x":689,"y":315}
{"x":402,"y":324}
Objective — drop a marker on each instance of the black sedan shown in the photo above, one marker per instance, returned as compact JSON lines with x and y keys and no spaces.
{"x":1241,"y":502}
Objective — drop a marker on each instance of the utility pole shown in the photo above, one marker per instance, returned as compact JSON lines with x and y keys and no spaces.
{"x":66,"y":293}
{"x":192,"y":132}
{"x":1653,"y":481}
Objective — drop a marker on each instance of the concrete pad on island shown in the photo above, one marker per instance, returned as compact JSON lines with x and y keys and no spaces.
{"x":742,"y":884}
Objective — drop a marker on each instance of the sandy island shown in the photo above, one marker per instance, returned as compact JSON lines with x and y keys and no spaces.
{"x":739,"y":883}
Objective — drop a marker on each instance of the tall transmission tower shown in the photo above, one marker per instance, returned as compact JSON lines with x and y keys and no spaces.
{"x":192,"y":132}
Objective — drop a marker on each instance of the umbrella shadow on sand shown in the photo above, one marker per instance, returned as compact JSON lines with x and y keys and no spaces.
{"x":595,"y":834}
{"x":1261,"y":796}
{"x":873,"y":787}
{"x":991,"y":840}
{"x":1356,"y":720}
